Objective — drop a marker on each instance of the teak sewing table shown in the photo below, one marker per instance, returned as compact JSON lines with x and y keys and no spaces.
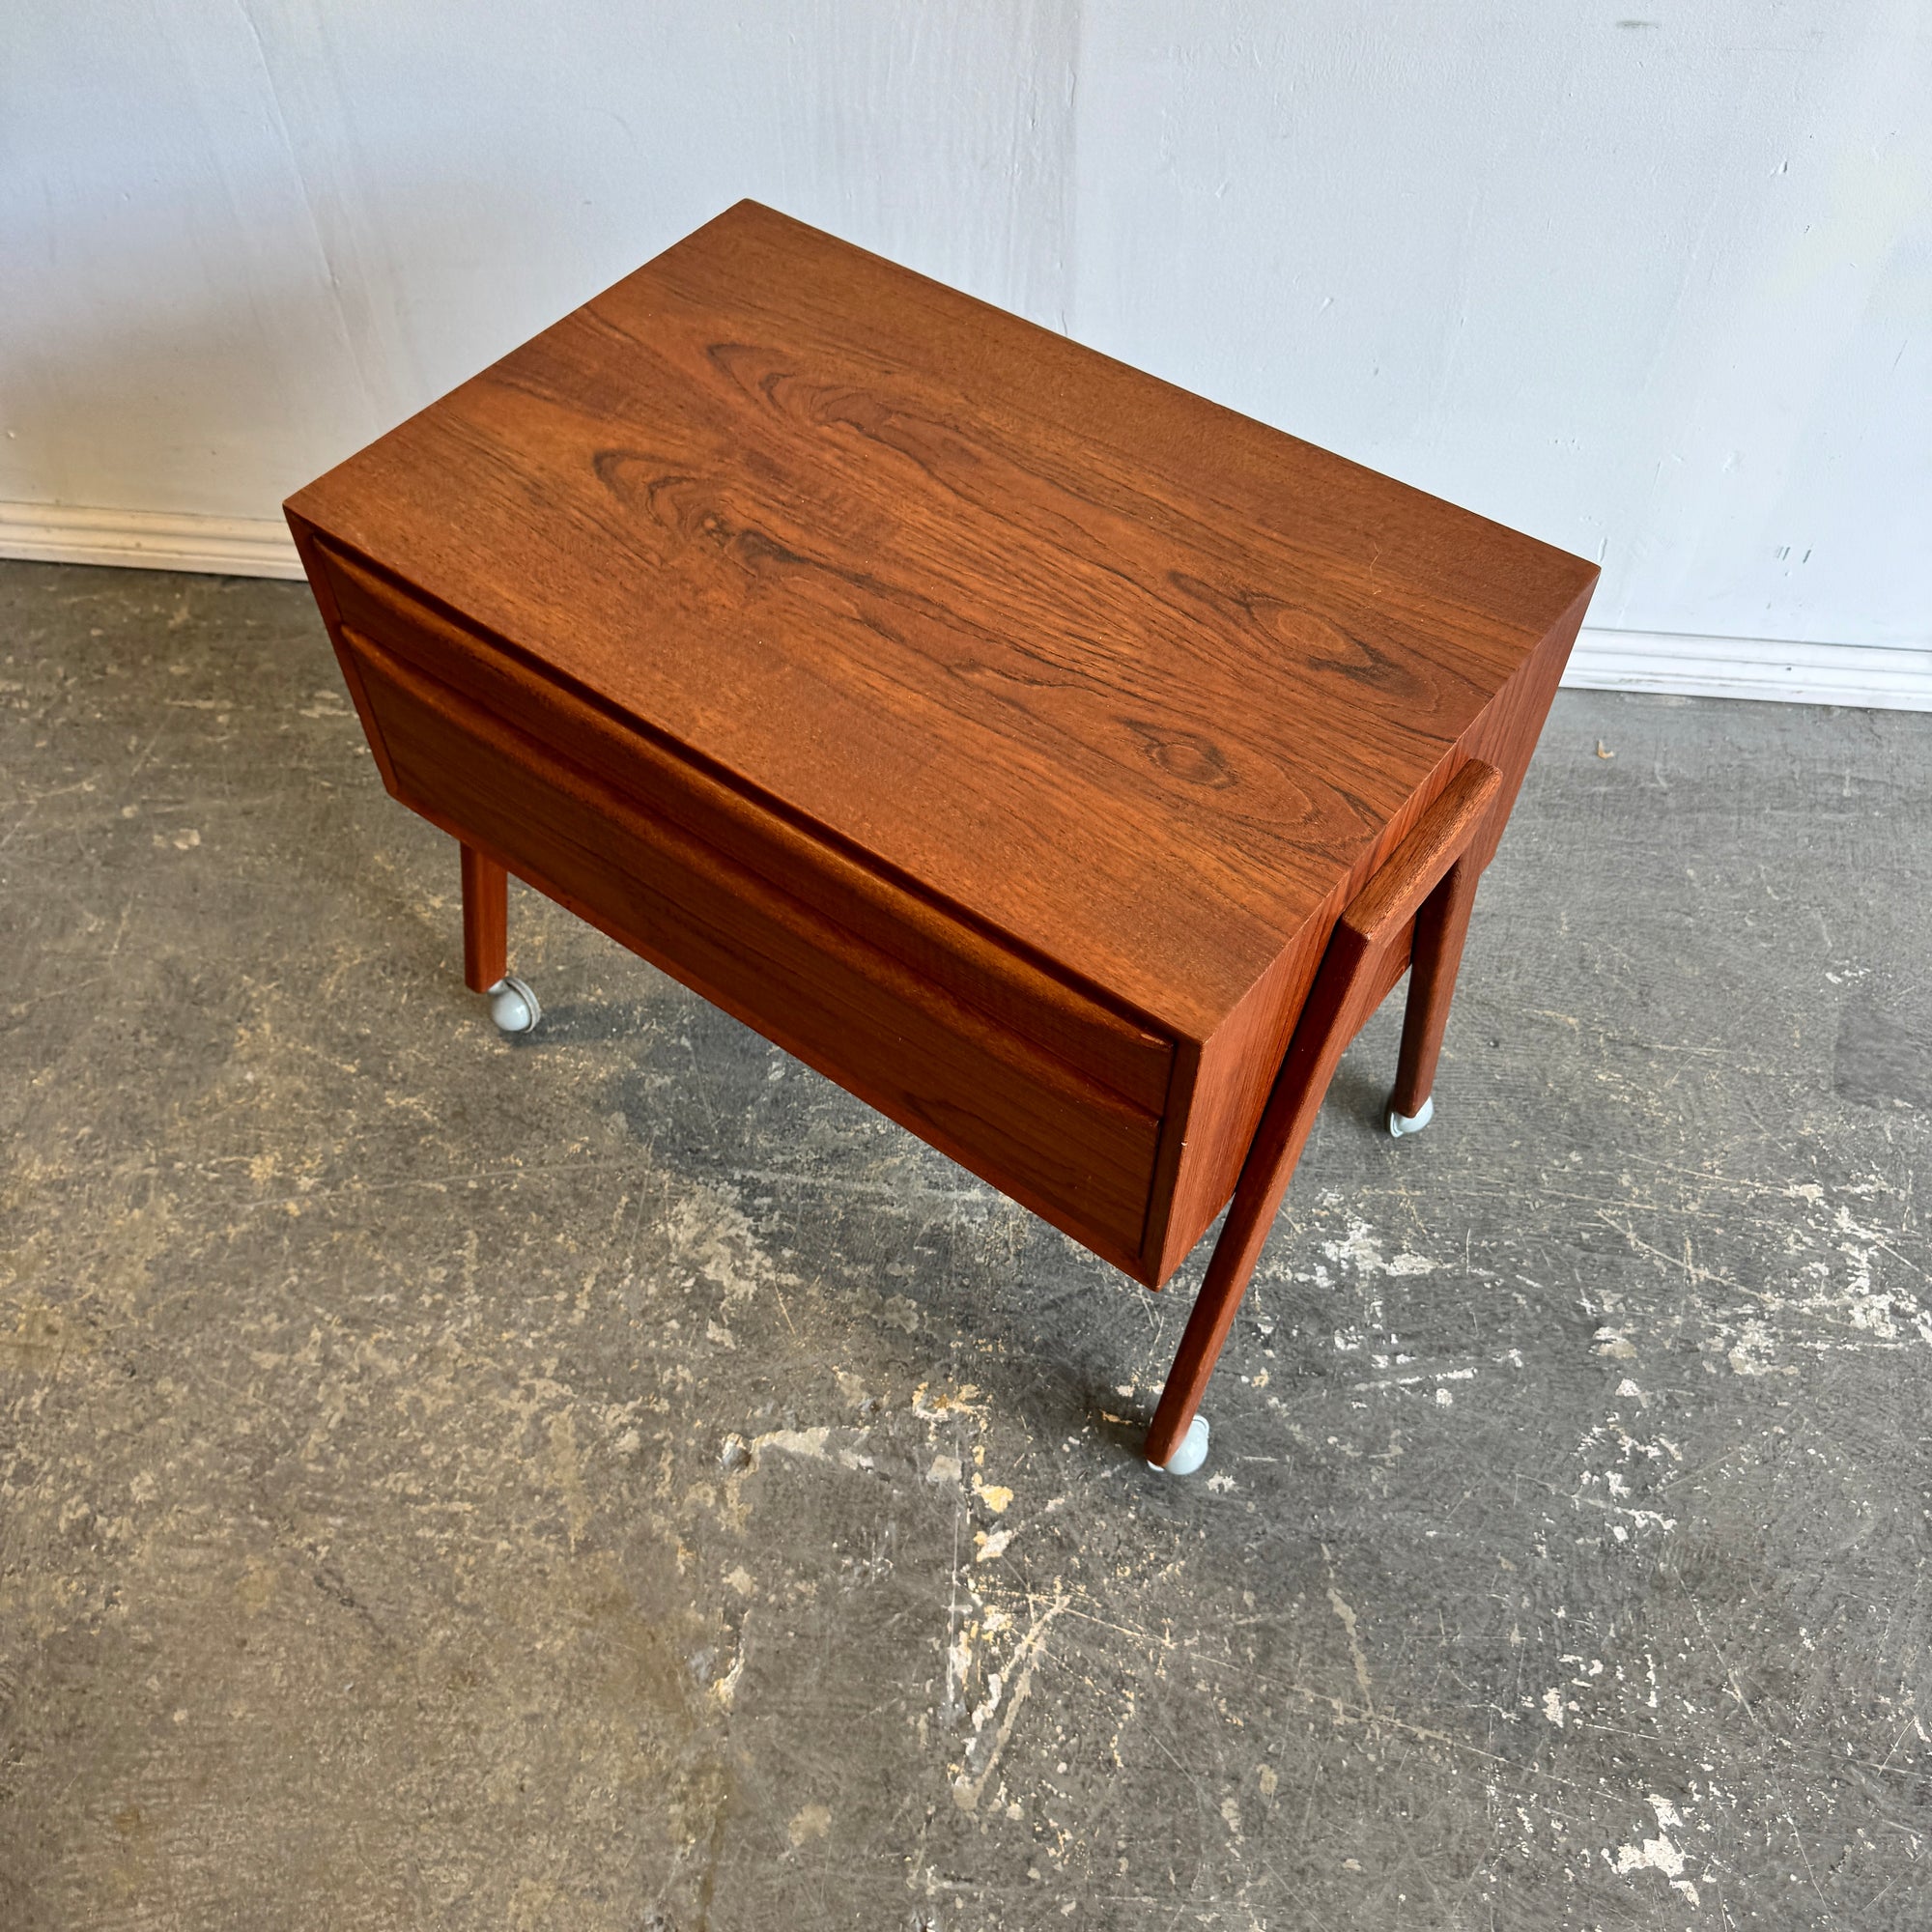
{"x":1065,"y":765}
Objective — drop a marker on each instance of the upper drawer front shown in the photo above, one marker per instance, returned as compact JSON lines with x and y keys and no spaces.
{"x":938,"y":941}
{"x":1022,"y":1118}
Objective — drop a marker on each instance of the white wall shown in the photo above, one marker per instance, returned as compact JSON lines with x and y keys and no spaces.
{"x":1659,"y":290}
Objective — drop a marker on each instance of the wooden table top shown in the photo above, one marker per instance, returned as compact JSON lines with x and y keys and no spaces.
{"x":1132,"y":679}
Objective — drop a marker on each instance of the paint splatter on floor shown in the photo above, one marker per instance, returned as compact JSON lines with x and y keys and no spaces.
{"x":612,"y":1481}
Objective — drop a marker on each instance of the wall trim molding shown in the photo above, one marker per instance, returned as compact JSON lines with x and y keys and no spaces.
{"x":1888,"y":677}
{"x":1892,"y":677}
{"x":147,"y":539}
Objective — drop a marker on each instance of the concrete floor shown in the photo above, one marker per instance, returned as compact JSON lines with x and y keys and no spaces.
{"x":612,"y":1481}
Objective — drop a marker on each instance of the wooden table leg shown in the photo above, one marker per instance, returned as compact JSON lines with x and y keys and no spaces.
{"x":1441,"y":927}
{"x":486,"y":921}
{"x":1321,"y":1037}
{"x":1421,"y":873}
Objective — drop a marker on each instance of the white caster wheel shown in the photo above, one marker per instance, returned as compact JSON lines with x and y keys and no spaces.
{"x":1411,"y":1124}
{"x":513,"y":1006}
{"x":1189,"y":1452}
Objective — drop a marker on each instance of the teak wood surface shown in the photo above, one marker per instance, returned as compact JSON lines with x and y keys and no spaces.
{"x":999,"y":728}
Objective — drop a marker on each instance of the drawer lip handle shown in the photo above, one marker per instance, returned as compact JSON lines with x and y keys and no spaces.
{"x":1416,"y":867}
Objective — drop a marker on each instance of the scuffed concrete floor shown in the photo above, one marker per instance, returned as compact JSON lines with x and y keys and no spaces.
{"x":612,"y":1481}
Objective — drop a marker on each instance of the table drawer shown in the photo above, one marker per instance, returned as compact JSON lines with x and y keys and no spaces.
{"x":939,"y":941}
{"x":1039,"y":1128}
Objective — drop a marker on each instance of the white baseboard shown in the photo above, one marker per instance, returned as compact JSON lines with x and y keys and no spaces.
{"x":147,"y":539}
{"x":1888,"y":677}
{"x":1883,"y":676}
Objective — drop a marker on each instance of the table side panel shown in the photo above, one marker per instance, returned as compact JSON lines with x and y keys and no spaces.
{"x":1232,"y":1082}
{"x":1507,"y":732}
{"x":1237,"y":1065}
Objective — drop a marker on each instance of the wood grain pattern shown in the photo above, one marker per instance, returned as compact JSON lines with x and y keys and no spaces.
{"x":1078,"y":700}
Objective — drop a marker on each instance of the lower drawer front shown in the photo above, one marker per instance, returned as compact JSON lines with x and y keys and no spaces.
{"x":1060,"y":1143}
